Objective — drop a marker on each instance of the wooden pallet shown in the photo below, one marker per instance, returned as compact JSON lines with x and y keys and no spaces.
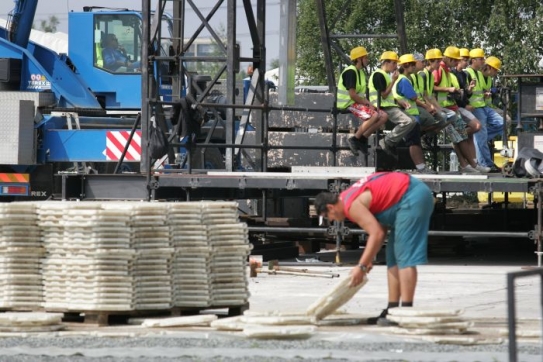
{"x":108,"y":318}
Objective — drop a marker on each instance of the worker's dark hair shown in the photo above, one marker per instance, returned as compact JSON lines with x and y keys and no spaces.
{"x":323,"y":199}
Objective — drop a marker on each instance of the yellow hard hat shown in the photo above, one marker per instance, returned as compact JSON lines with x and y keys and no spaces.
{"x":464,"y":52}
{"x":433,"y":54}
{"x":494,"y":62}
{"x":452,"y":52}
{"x":407,"y":58}
{"x":358,"y":52}
{"x":477,"y":53}
{"x":389,"y":56}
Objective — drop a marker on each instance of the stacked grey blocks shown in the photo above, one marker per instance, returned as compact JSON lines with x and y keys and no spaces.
{"x":20,"y":254}
{"x":17,"y":140}
{"x":122,"y":256}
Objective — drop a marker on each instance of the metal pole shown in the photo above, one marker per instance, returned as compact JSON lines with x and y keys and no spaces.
{"x":511,"y":317}
{"x":400,"y":26}
{"x":130,"y":137}
{"x":541,"y":306}
{"x":539,"y":231}
{"x":145,"y":163}
{"x":519,"y":106}
{"x":230,"y":81}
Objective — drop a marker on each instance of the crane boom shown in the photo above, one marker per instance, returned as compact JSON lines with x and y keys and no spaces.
{"x":20,"y":21}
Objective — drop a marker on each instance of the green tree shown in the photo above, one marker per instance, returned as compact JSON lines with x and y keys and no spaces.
{"x":274,"y":64}
{"x":509,"y":29}
{"x":49,"y":25}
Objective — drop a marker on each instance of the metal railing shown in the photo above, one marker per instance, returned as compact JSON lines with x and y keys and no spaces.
{"x":511,"y":308}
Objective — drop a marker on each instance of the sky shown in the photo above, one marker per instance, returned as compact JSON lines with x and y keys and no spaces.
{"x":60,"y":8}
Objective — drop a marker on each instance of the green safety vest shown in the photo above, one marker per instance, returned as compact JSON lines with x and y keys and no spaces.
{"x":413,"y":110}
{"x":99,"y":57}
{"x":429,"y":81}
{"x":418,"y":85}
{"x":446,"y":82}
{"x":343,"y":98}
{"x":483,"y":84}
{"x":385,"y":102}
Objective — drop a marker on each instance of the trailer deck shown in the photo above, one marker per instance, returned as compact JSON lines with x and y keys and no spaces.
{"x":286,"y":196}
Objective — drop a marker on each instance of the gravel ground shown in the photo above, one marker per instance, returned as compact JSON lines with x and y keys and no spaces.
{"x":207,"y":347}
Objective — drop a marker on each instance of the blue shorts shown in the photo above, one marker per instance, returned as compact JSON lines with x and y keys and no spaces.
{"x":408,"y":222}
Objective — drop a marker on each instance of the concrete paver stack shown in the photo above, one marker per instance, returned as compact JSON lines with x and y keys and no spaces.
{"x":20,"y":253}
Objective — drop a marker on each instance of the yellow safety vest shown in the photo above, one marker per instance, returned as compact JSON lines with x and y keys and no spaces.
{"x":429,"y":81}
{"x":413,"y":110}
{"x":343,"y":98}
{"x":446,"y":82}
{"x":385,"y":102}
{"x":482,"y":84}
{"x":418,"y":85}
{"x":99,"y":57}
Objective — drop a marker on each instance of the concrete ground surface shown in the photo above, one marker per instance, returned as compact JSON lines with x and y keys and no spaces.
{"x":477,"y":284}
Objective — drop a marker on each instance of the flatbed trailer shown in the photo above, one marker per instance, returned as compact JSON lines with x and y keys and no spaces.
{"x":288,"y":196}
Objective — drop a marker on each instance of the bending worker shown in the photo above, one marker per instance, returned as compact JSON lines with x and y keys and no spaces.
{"x":392,"y":201}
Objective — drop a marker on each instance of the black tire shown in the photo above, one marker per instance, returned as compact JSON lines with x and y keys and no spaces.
{"x":211,"y":159}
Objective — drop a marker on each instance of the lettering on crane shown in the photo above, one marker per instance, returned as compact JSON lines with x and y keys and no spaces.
{"x":38,"y":82}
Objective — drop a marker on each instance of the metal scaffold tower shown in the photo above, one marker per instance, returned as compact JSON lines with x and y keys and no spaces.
{"x":166,"y":46}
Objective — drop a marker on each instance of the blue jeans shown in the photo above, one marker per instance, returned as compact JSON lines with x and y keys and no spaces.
{"x":491,"y":126}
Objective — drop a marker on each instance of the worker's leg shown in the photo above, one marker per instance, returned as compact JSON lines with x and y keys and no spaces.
{"x":411,"y":244}
{"x":404,"y":124}
{"x":394,"y":290}
{"x":374,"y":123}
{"x":408,"y":278}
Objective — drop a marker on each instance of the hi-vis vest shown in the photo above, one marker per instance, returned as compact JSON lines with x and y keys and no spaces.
{"x":429,"y":81}
{"x":418,"y":85}
{"x":483,"y":84}
{"x":446,"y":82}
{"x":343,"y":98}
{"x":385,"y":102}
{"x":413,"y":110}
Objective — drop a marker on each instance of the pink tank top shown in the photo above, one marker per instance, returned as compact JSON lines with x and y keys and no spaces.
{"x":387,"y":188}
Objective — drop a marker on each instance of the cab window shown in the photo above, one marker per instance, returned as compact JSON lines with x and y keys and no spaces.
{"x":117,"y":42}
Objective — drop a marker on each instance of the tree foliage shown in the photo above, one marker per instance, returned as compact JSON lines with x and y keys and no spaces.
{"x":49,"y":25}
{"x":509,"y":29}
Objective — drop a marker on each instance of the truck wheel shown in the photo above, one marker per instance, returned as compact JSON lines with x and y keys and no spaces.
{"x":212,"y":159}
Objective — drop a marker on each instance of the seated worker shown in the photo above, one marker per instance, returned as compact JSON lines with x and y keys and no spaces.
{"x":405,"y":95}
{"x":380,"y":86}
{"x":351,"y":95}
{"x":115,"y":58}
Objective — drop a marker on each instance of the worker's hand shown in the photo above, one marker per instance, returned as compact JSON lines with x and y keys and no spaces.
{"x":357,"y":275}
{"x":404,"y":104}
{"x":451,"y":89}
{"x":395,"y":75}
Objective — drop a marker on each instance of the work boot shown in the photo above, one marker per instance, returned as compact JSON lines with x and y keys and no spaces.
{"x":426,"y":171}
{"x":353,"y":145}
{"x":385,"y":322}
{"x":389,"y":150}
{"x":482,"y":169}
{"x":363,"y":145}
{"x":468,"y":170}
{"x":358,"y":144}
{"x":373,"y":320}
{"x":495,"y":169}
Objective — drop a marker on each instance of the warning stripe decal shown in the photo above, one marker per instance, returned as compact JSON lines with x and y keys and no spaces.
{"x":116,"y":141}
{"x":15,"y":177}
